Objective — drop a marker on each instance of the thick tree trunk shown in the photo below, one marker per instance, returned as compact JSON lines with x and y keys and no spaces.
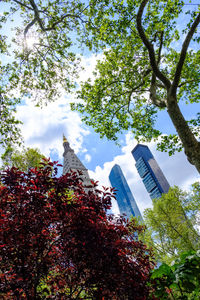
{"x":190,"y":143}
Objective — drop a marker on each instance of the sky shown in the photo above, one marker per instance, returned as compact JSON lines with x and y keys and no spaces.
{"x":44,"y":128}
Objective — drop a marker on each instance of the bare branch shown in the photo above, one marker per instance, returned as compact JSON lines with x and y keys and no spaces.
{"x":185,"y":82}
{"x":53,"y":26}
{"x":29,"y":26}
{"x":149,"y":46}
{"x":129,"y":97}
{"x":129,"y":102}
{"x":160,"y":47}
{"x":148,"y":71}
{"x":173,"y":227}
{"x":116,"y":111}
{"x":37,"y":14}
{"x":22,"y":4}
{"x":60,"y":21}
{"x":183,"y":55}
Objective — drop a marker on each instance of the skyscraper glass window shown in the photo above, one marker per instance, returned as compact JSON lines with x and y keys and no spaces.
{"x":150,"y":172}
{"x":125,"y":199}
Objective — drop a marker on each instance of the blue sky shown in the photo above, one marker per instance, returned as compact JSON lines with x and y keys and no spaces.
{"x":43,"y":128}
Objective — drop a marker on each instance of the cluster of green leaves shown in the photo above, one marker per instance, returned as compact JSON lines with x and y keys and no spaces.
{"x":171,"y":143}
{"x":172,"y":223}
{"x":108,"y":103}
{"x":9,"y":126}
{"x":23,"y":160}
{"x":181,"y":280}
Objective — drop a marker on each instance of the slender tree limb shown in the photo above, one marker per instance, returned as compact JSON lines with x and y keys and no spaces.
{"x":183,"y":55}
{"x":189,"y":222}
{"x":149,"y":46}
{"x":179,"y":234}
{"x":22,"y":4}
{"x":60,"y":21}
{"x":185,"y":82}
{"x":111,"y":83}
{"x":129,"y":102}
{"x":180,"y":290}
{"x":37,"y":14}
{"x":160,"y":47}
{"x":122,"y":81}
{"x":118,"y":95}
{"x":29,"y":26}
{"x":43,"y":28}
{"x":116,"y":111}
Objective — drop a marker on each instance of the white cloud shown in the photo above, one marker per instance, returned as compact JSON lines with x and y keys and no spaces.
{"x":88,"y":158}
{"x":176,"y":169}
{"x":89,"y":64}
{"x":43,"y":128}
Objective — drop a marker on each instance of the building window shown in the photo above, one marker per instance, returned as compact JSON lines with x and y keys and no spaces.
{"x":141,"y":167}
{"x":149,"y":182}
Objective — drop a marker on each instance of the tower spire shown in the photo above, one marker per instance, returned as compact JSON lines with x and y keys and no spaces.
{"x":72,"y":162}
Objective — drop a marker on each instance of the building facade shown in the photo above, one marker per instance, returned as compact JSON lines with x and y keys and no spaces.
{"x":125,"y":199}
{"x":152,"y":176}
{"x":72,"y":162}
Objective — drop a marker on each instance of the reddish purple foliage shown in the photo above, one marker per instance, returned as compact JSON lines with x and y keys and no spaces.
{"x":66,"y":240}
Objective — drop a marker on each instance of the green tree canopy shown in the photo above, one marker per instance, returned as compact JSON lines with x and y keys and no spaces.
{"x":23,"y":160}
{"x":172,"y":223}
{"x":38,"y":58}
{"x":150,"y":64}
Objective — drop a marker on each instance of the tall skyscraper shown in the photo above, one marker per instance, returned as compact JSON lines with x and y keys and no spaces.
{"x":153,"y":178}
{"x":72,"y":162}
{"x":125,"y":199}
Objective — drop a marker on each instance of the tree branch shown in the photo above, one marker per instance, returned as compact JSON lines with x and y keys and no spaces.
{"x":185,"y":82}
{"x":37,"y":14}
{"x":60,"y":21}
{"x":174,"y":228}
{"x":29,"y":26}
{"x":22,"y":4}
{"x":114,"y":113}
{"x":160,"y":47}
{"x":183,"y":55}
{"x":149,"y":46}
{"x":153,"y":94}
{"x":37,"y":17}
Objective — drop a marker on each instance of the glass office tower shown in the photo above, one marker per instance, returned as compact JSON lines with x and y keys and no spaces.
{"x":125,"y":199}
{"x":153,"y":178}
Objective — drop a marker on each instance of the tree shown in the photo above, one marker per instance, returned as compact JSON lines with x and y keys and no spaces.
{"x":141,"y":58}
{"x":9,"y":126}
{"x":146,"y":68}
{"x":172,"y":223}
{"x":58,"y":242}
{"x":39,"y":58}
{"x":23,"y":160}
{"x":179,"y":281}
